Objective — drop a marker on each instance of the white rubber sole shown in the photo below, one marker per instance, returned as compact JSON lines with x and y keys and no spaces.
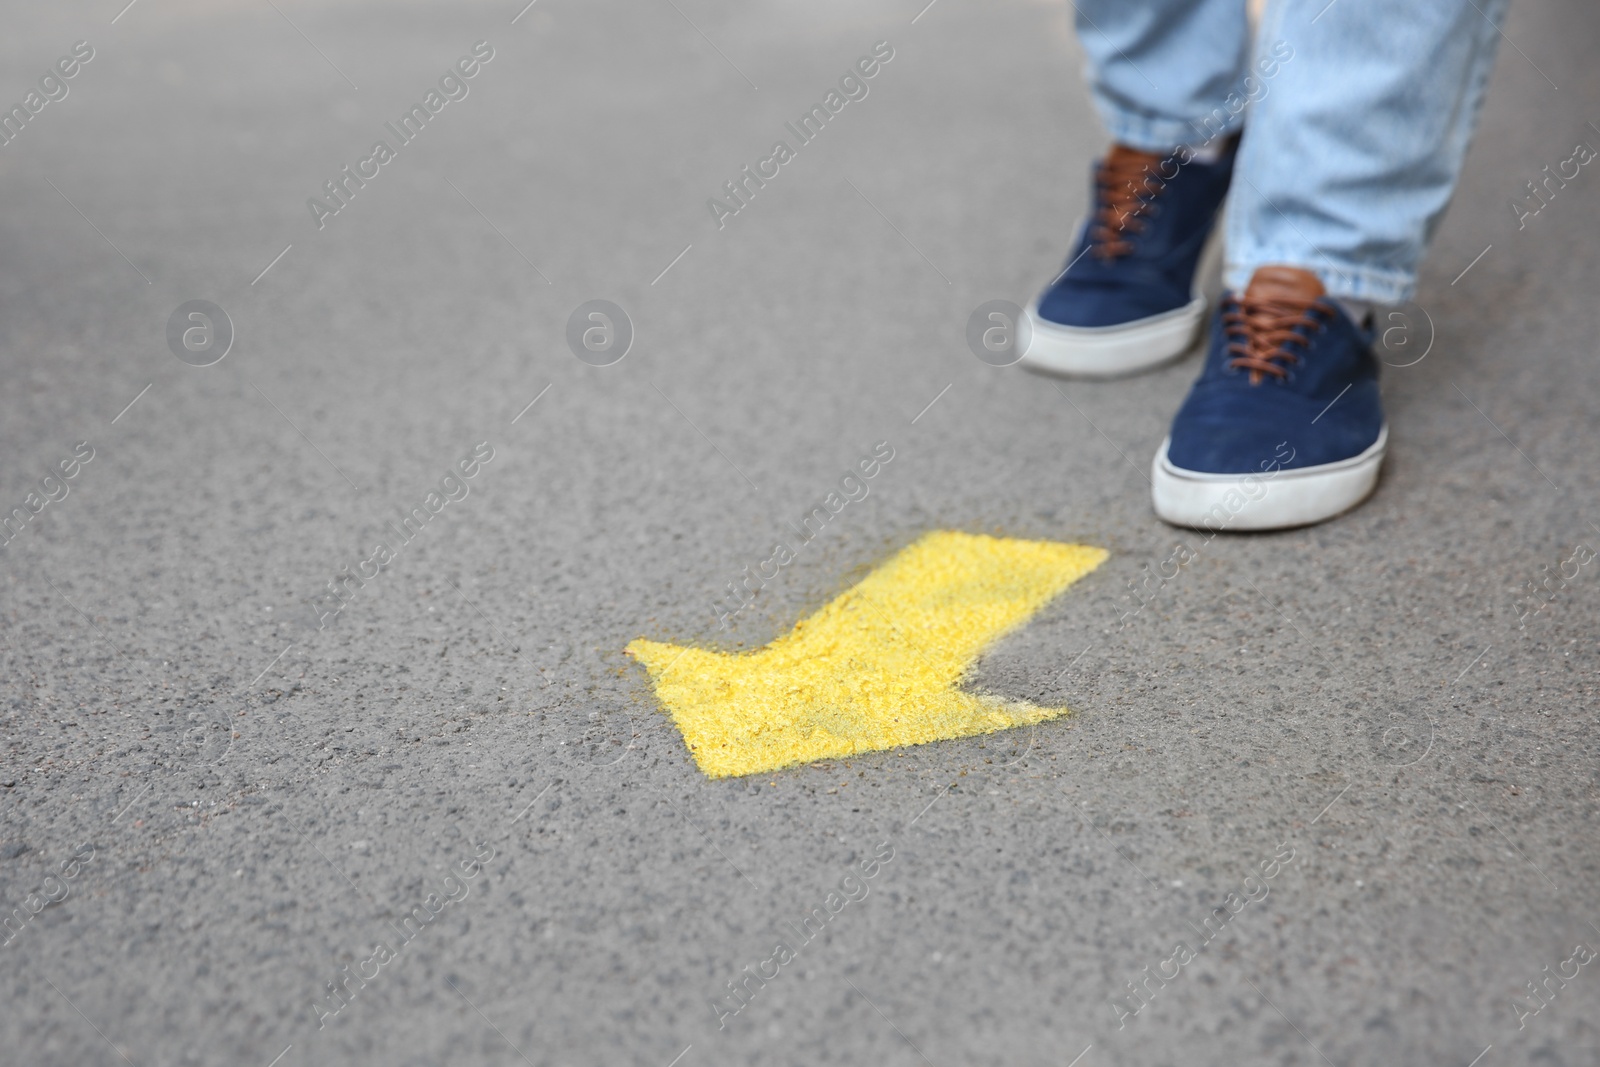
{"x":1115,"y":351}
{"x":1111,"y":351}
{"x":1271,"y":500}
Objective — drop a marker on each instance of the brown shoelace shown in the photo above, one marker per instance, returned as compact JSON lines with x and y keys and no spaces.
{"x":1260,"y":328}
{"x":1125,"y":183}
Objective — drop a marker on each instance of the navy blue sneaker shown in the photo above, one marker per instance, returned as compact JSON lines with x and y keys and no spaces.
{"x":1128,"y":299}
{"x":1285,"y":426}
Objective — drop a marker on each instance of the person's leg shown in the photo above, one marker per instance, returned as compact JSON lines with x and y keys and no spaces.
{"x":1352,"y":152}
{"x":1165,"y":76}
{"x":1161,"y":71}
{"x":1347,"y":162}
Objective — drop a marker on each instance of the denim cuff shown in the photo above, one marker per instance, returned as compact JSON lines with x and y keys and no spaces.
{"x":1150,"y":133}
{"x":1345,"y":281}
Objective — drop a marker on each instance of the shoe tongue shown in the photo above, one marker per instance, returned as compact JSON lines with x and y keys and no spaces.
{"x":1283,"y":285}
{"x":1123,"y":156}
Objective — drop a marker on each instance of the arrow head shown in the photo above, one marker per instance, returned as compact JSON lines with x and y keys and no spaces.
{"x":878,"y":667}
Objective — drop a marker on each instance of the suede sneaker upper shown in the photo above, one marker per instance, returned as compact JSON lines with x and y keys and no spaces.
{"x":1136,"y":255}
{"x":1290,"y":381}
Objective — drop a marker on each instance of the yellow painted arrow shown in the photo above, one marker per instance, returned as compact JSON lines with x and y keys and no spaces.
{"x":876,"y":668}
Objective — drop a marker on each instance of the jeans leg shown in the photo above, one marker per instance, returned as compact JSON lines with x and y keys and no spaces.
{"x":1352,"y":150}
{"x":1161,"y":71}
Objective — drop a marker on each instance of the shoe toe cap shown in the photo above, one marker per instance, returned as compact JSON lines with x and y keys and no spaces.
{"x":1097,"y":306}
{"x":1232,"y":442}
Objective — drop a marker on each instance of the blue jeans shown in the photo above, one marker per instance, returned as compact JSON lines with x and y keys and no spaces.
{"x":1355,"y":117}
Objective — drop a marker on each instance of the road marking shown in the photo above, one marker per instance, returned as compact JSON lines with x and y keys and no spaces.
{"x":876,"y":668}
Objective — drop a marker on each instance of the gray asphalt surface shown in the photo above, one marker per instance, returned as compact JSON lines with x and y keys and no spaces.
{"x":223,"y":805}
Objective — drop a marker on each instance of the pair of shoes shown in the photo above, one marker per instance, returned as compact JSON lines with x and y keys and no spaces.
{"x":1285,"y":425}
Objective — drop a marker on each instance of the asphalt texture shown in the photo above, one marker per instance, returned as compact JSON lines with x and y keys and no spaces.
{"x":1351,"y":769}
